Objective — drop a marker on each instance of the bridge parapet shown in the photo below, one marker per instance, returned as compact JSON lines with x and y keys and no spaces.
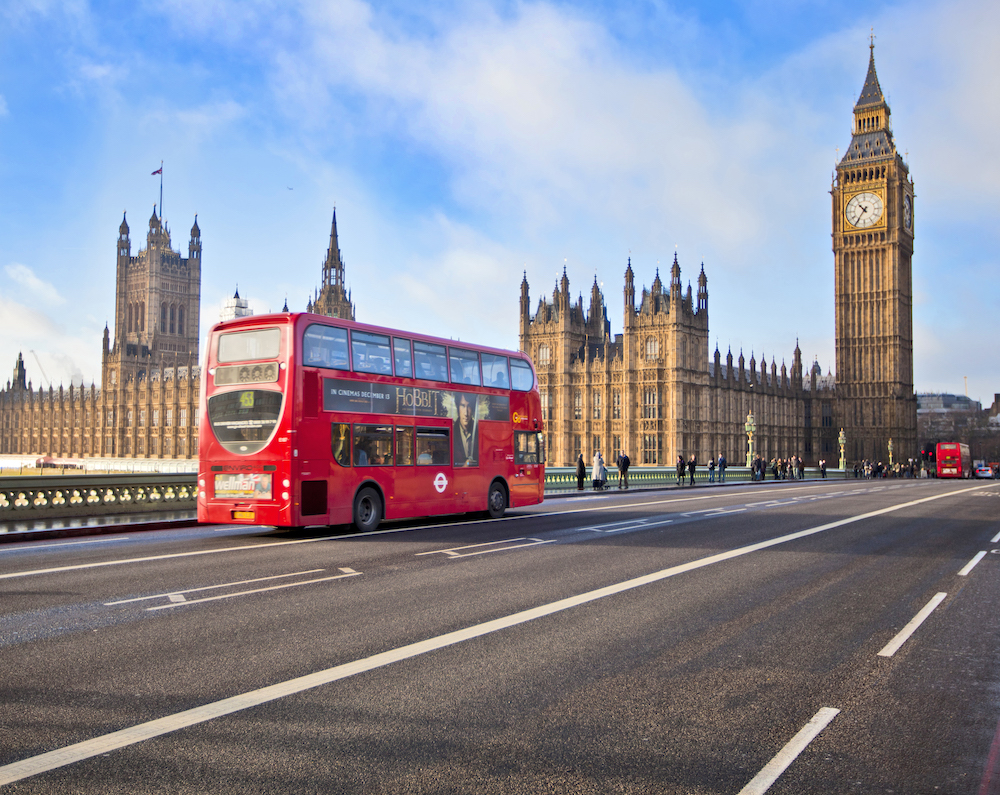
{"x":94,"y":495}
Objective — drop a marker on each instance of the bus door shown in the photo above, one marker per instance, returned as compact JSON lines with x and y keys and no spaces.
{"x":427,"y":482}
{"x":528,"y":482}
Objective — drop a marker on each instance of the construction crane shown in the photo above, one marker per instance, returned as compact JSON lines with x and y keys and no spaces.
{"x":40,"y":365}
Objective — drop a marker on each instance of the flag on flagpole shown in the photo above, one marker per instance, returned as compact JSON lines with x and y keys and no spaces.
{"x":158,"y":171}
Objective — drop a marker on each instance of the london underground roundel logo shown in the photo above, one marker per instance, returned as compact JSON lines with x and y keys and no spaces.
{"x":440,"y":482}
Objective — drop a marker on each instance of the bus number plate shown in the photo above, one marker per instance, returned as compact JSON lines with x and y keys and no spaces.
{"x":244,"y":515}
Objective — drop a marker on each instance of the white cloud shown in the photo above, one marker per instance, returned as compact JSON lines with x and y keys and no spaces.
{"x":25,"y":277}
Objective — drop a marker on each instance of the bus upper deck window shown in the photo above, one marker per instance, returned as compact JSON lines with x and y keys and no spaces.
{"x":522,"y":378}
{"x":464,"y":367}
{"x":370,"y":353}
{"x":402,"y":358}
{"x":249,"y":346}
{"x":430,"y":361}
{"x":325,"y":346}
{"x":495,"y":371}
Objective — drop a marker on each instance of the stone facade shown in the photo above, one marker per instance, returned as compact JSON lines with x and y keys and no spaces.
{"x":654,"y":392}
{"x":147,"y":406}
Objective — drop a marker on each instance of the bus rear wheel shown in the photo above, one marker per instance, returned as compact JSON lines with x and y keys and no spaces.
{"x":496,"y":501}
{"x":367,"y":510}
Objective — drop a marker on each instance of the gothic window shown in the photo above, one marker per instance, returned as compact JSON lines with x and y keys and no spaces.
{"x":180,"y":320}
{"x":650,"y":403}
{"x":183,"y":418}
{"x":650,"y":448}
{"x":142,"y":316}
{"x":577,"y":449}
{"x":173,"y":319}
{"x":169,"y":419}
{"x":163,"y":318}
{"x":577,"y":405}
{"x":142,"y":418}
{"x":128,"y":318}
{"x":546,"y":406}
{"x":616,"y":443}
{"x":544,"y":355}
{"x":597,"y":405}
{"x":156,"y":418}
{"x":652,"y":347}
{"x":616,"y":405}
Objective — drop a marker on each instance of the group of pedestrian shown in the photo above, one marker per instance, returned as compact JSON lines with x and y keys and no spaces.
{"x":792,"y":468}
{"x":599,"y":471}
{"x":691,"y":464}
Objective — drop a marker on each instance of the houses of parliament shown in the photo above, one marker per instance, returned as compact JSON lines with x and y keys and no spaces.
{"x":652,"y":390}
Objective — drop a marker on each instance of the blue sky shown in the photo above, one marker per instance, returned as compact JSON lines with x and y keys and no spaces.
{"x":466,"y":143}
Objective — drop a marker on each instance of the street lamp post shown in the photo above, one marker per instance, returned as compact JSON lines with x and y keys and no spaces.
{"x":750,"y":427}
{"x":842,"y":440}
{"x":890,"y":452}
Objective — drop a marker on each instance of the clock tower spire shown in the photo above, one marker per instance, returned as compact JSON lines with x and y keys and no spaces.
{"x":873,"y":247}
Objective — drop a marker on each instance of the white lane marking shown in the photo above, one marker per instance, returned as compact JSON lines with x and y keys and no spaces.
{"x":893,"y":645}
{"x":252,"y":591}
{"x":631,"y":524}
{"x":170,"y":594}
{"x":99,"y":564}
{"x":995,"y":538}
{"x":971,"y":564}
{"x":20,"y":548}
{"x":176,"y":597}
{"x":511,"y":543}
{"x":762,"y":782}
{"x":87,"y":749}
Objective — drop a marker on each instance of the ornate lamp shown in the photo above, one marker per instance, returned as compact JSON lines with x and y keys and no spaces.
{"x":842,"y":440}
{"x":750,"y":427}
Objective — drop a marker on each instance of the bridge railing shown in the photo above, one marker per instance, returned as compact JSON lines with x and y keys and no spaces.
{"x":23,"y":497}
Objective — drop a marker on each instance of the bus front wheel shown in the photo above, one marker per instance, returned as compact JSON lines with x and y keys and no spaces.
{"x":496,"y":501}
{"x":367,"y":510}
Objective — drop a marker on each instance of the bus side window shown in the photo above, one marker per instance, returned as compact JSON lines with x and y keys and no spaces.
{"x":404,"y":446}
{"x":526,"y":447}
{"x":340,"y":443}
{"x":325,"y":346}
{"x":522,"y":377}
{"x":464,"y":367}
{"x":372,"y":445}
{"x":495,"y":371}
{"x":370,"y":353}
{"x":402,"y":357}
{"x":431,"y":361}
{"x":433,"y":447}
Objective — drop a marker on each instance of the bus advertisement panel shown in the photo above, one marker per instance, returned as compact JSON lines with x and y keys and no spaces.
{"x":953,"y":460}
{"x":309,"y":420}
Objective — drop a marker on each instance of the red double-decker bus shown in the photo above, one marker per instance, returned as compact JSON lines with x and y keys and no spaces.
{"x":953,"y":460}
{"x":311,"y":420}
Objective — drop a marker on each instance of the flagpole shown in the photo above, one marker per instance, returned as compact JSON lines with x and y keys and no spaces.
{"x":161,"y":191}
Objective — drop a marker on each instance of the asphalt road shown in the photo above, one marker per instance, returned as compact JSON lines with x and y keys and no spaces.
{"x":836,"y":637}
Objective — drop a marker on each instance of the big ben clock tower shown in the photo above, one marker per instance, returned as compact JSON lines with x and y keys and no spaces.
{"x":873,"y":218}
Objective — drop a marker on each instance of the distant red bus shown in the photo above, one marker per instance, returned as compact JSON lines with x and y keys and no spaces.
{"x":311,"y":420}
{"x":953,"y":460}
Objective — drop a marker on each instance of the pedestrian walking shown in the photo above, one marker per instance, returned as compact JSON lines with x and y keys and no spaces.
{"x":692,"y":463}
{"x":598,"y":474}
{"x":722,"y":468}
{"x":581,"y":473}
{"x":711,"y":470}
{"x":623,"y":465}
{"x":680,"y":470}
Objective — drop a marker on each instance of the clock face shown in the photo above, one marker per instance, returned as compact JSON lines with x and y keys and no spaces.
{"x":864,"y":210}
{"x":907,"y":212}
